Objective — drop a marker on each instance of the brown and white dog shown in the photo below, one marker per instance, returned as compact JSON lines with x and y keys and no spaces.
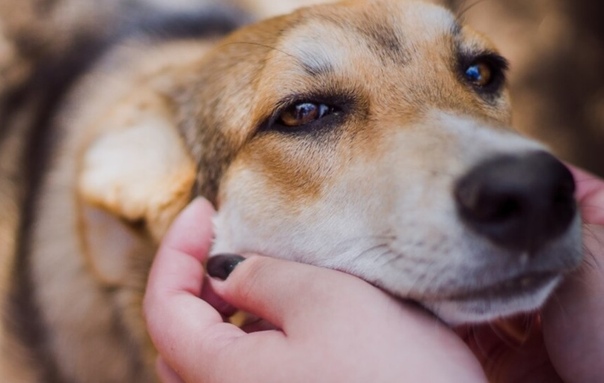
{"x":372,"y":137}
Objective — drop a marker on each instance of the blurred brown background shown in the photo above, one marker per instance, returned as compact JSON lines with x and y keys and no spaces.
{"x":556,"y":48}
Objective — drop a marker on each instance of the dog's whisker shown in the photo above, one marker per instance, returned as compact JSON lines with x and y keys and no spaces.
{"x":390,"y":256}
{"x":591,"y":261}
{"x":386,"y":256}
{"x":589,"y":257}
{"x":463,"y":11}
{"x":261,"y":45}
{"x":368,"y":252}
{"x":592,"y":235}
{"x":565,"y":316}
{"x":419,"y":276}
{"x":409,"y":257}
{"x":374,"y":240}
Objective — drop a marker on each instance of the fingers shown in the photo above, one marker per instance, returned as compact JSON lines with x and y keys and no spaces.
{"x":177,"y":319}
{"x":191,"y":232}
{"x":289,"y":294}
{"x":165,"y":372}
{"x":310,"y":302}
{"x":336,"y":317}
{"x":570,"y":318}
{"x":569,"y":326}
{"x":177,"y":266}
{"x":590,"y":193}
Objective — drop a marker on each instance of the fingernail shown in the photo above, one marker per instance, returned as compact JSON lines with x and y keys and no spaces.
{"x":222,"y":265}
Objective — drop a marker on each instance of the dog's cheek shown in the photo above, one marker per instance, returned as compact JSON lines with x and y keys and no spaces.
{"x":245,"y":218}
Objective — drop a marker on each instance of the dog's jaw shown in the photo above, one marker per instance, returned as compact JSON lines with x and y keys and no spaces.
{"x":462,"y":311}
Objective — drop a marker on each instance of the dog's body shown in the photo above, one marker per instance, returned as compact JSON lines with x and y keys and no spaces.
{"x":362,"y":136}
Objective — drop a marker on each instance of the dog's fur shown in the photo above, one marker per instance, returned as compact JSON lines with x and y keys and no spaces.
{"x":142,"y":119}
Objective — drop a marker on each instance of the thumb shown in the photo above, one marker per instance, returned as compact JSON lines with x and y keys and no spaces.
{"x":287,"y":294}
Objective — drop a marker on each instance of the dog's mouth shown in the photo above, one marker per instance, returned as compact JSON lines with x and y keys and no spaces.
{"x":519,"y":286}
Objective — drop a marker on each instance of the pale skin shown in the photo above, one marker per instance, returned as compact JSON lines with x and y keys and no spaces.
{"x":332,"y":327}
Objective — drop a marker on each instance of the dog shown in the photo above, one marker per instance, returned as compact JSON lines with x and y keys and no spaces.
{"x":371,"y":137}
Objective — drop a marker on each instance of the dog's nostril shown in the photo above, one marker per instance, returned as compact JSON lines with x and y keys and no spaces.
{"x":478,"y":200}
{"x":519,"y":203}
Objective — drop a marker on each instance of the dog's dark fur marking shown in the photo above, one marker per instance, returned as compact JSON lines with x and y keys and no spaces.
{"x":387,"y":42}
{"x":48,"y":87}
{"x":382,"y":38}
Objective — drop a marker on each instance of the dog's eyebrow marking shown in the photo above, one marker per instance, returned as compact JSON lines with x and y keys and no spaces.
{"x":387,"y":41}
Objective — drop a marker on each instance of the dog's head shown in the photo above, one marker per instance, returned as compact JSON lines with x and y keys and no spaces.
{"x":374,"y":137}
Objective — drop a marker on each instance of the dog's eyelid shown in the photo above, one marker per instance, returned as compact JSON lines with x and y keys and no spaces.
{"x":279,"y":108}
{"x":341,"y":102}
{"x":494,"y":59}
{"x":491,"y":57}
{"x":496,"y":64}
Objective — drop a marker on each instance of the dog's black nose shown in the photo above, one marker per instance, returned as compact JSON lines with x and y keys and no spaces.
{"x":519,"y":203}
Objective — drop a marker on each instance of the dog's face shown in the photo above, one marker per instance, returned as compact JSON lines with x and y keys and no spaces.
{"x":377,"y":142}
{"x":374,"y":137}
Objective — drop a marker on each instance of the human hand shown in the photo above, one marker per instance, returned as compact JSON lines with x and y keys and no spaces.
{"x":567,"y":344}
{"x":331,"y":327}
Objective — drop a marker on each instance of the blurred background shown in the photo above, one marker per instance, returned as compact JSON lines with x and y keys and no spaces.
{"x":556,"y":50}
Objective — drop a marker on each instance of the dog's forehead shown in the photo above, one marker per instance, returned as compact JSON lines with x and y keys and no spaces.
{"x":390,"y":29}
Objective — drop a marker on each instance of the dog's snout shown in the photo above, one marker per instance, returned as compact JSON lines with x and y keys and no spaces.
{"x":519,"y":203}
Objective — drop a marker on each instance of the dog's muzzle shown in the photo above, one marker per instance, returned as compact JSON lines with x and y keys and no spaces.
{"x":520,"y":203}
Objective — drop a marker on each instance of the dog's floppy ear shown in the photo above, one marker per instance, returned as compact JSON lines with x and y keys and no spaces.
{"x":138,"y":168}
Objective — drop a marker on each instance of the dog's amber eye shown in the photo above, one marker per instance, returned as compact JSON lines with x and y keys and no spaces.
{"x":303,"y":113}
{"x":479,"y":74}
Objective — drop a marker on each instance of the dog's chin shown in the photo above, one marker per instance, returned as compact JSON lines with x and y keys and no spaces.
{"x":519,"y":295}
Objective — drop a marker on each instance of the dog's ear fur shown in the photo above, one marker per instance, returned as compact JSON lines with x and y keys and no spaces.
{"x":138,"y":169}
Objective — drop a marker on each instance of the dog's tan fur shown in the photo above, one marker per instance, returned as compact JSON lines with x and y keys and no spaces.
{"x":152,"y":126}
